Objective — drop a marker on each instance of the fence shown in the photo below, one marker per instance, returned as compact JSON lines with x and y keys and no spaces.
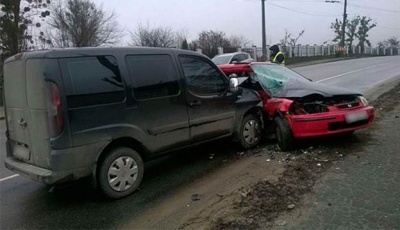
{"x":312,"y":51}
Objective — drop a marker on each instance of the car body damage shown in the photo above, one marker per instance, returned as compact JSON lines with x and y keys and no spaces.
{"x":301,"y":107}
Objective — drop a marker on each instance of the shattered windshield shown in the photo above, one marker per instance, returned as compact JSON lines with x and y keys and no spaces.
{"x":274,"y":77}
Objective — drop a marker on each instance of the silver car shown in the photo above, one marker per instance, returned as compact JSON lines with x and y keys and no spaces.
{"x":232,"y":58}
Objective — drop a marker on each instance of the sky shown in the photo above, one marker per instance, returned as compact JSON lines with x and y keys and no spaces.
{"x":243,"y":17}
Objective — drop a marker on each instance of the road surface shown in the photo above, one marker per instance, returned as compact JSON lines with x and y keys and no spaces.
{"x":27,"y":204}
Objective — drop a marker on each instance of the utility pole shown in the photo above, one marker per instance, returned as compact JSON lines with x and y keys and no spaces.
{"x":264,"y":39}
{"x":342,"y":41}
{"x":344,"y":23}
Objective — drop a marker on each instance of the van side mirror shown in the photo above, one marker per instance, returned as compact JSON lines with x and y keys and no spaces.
{"x":233,"y":85}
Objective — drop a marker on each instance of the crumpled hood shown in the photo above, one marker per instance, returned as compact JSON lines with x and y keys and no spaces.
{"x":296,"y":89}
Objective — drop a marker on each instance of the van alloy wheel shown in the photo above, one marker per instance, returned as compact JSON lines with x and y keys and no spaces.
{"x":122,"y":173}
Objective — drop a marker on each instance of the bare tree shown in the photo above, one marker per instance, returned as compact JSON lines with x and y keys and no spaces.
{"x":289,"y":41}
{"x":239,"y":41}
{"x":82,"y":23}
{"x":181,"y":37}
{"x":392,"y":42}
{"x":153,"y":37}
{"x":351,"y":31}
{"x":20,"y":24}
{"x":337,"y":29}
{"x":286,"y":39}
{"x":362,"y":33}
{"x":209,"y":41}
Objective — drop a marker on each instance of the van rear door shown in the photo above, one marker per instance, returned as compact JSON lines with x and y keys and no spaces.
{"x":27,"y":111}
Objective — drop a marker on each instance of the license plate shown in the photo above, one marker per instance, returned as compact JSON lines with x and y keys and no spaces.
{"x":356,"y":116}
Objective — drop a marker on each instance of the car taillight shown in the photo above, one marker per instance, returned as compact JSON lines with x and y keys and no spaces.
{"x":55,"y":110}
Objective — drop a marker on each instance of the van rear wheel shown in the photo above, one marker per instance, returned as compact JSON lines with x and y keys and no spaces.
{"x":120,"y":173}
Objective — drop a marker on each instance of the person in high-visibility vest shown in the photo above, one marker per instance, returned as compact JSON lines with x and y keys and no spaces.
{"x":277,"y":56}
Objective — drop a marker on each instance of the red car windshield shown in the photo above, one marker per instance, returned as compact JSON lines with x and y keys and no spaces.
{"x":273,"y":77}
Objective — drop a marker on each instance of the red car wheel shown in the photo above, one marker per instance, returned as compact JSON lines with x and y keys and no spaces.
{"x":284,"y":134}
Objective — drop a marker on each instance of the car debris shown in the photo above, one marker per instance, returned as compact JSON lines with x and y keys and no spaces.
{"x":291,"y":206}
{"x":195,"y":197}
{"x":283,"y":223}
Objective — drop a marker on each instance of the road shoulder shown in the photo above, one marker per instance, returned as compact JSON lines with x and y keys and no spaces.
{"x":363,"y":191}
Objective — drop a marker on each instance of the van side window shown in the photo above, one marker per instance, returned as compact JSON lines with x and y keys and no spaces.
{"x":153,"y":76}
{"x":201,"y":77}
{"x":93,"y":81}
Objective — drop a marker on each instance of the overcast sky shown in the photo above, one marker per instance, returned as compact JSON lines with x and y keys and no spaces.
{"x":243,"y":17}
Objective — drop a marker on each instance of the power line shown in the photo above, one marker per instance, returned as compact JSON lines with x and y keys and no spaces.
{"x":301,"y":12}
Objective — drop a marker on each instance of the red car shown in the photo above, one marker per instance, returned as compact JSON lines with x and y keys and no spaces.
{"x":296,"y":107}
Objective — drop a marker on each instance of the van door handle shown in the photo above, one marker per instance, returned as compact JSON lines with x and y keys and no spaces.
{"x":194,"y":103}
{"x":22,"y":123}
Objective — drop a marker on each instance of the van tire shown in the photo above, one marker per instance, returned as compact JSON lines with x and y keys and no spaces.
{"x":120,"y":172}
{"x":250,"y":133}
{"x":283,"y":134}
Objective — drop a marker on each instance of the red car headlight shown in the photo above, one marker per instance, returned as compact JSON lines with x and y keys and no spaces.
{"x":363,"y":100}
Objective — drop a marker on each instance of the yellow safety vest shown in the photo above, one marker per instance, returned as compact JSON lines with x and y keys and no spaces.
{"x":283,"y":62}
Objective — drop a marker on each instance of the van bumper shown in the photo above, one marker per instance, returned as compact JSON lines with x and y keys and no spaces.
{"x":35,"y":173}
{"x":66,"y":164}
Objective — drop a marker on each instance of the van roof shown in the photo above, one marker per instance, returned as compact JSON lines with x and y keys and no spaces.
{"x":94,"y":51}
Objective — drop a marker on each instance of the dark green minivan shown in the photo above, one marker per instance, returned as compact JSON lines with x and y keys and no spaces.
{"x":102,"y":112}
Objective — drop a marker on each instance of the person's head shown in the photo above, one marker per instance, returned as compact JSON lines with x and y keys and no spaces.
{"x":274,"y":50}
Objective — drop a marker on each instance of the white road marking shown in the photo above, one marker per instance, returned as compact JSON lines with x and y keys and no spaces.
{"x":353,"y":71}
{"x":9,"y":177}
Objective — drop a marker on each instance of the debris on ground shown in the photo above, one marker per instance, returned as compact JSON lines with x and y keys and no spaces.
{"x":195,"y":197}
{"x":266,"y":200}
{"x":291,"y":206}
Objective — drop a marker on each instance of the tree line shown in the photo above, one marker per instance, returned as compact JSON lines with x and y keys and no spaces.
{"x":40,"y":24}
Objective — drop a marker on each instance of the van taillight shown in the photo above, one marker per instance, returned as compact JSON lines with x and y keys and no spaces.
{"x":56,"y":113}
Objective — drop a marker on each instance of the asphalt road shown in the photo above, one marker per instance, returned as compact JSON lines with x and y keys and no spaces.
{"x":363,"y":75}
{"x":27,"y":204}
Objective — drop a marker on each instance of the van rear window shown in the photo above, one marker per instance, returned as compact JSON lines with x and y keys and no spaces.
{"x":93,"y":81}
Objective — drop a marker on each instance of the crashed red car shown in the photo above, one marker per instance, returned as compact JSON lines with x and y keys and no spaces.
{"x":295,"y":107}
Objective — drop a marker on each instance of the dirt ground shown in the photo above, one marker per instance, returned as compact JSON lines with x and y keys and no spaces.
{"x":251,"y":189}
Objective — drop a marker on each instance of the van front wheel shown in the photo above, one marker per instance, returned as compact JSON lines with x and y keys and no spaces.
{"x":120,"y":173}
{"x":250,"y":131}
